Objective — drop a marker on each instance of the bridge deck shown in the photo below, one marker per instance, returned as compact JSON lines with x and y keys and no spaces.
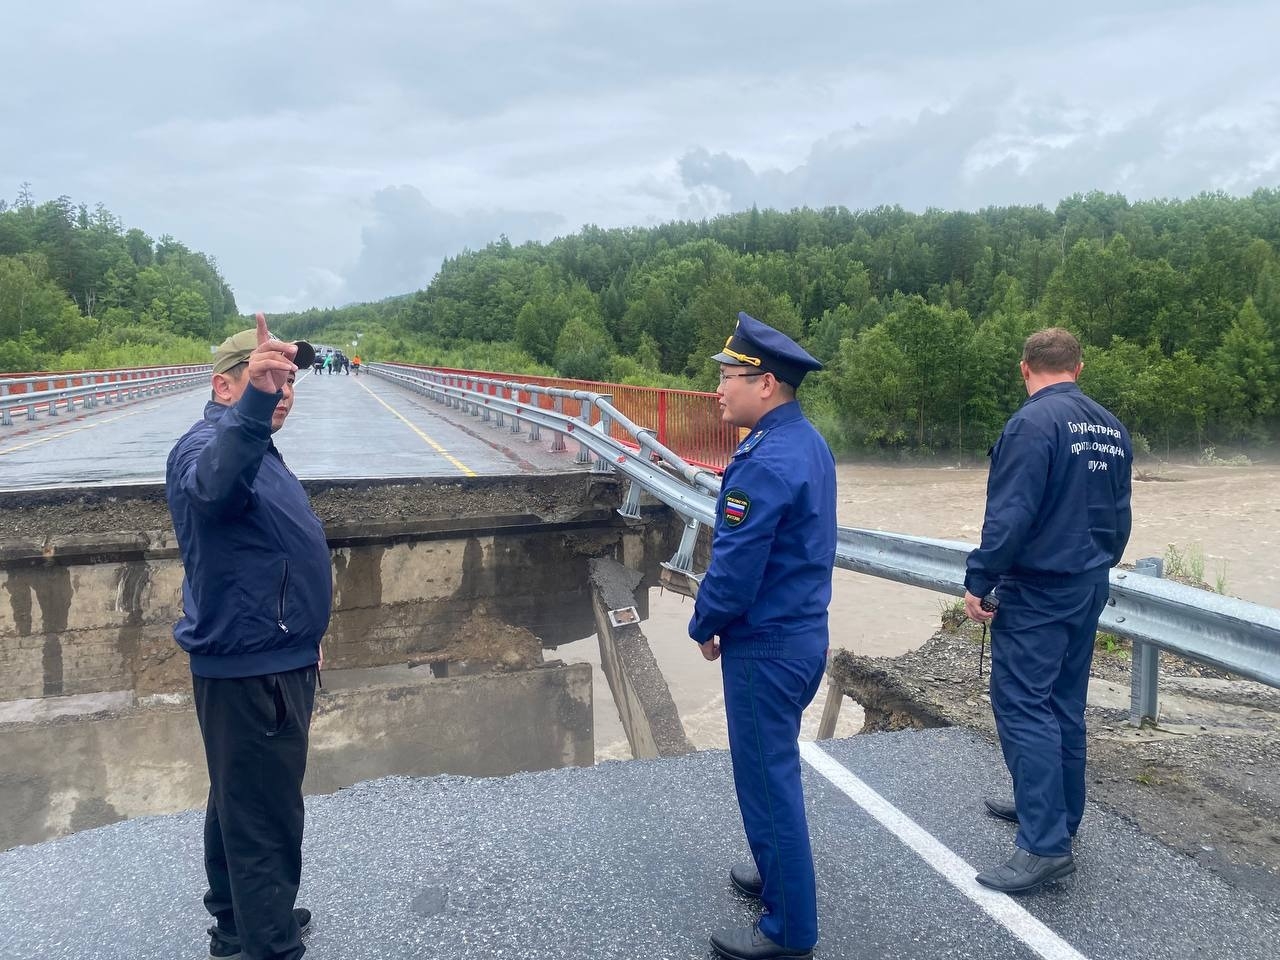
{"x":341,"y":426}
{"x":629,"y":860}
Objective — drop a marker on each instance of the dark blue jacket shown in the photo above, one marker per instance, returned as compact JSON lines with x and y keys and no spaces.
{"x":257,"y":590}
{"x":768,"y":587}
{"x":1057,"y":494}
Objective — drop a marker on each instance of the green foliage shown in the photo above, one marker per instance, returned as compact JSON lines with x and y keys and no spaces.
{"x":77,"y":290}
{"x":1209,"y":457}
{"x":1184,"y":563}
{"x":919,"y":318}
{"x":583,"y":349}
{"x":1110,"y":643}
{"x":1188,"y":564}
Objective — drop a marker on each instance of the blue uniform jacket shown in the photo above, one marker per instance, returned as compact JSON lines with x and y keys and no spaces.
{"x":258,"y":588}
{"x":767,"y":589}
{"x":1057,"y":494}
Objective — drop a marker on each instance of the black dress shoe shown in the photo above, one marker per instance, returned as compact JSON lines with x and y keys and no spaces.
{"x":1004,"y":809}
{"x":752,"y":945}
{"x":1025,"y":872}
{"x":746,"y":880}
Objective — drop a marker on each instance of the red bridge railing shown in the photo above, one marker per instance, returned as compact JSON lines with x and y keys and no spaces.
{"x":687,"y":421}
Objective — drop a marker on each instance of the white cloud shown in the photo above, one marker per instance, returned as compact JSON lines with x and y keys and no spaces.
{"x":336,"y":150}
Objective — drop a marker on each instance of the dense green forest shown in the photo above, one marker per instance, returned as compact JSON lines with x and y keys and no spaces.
{"x":919,"y":317}
{"x":79,"y":291}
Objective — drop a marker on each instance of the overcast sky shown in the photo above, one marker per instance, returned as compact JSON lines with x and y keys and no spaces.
{"x":325,"y":152}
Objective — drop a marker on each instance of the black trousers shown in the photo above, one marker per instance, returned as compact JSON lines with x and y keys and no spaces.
{"x":255,"y":733}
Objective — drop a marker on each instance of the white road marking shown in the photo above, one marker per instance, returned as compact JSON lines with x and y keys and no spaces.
{"x":1000,"y":907}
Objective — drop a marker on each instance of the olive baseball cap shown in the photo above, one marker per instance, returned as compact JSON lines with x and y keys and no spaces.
{"x":236,"y":349}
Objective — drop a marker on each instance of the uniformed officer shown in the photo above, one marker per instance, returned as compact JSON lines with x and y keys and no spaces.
{"x":763,"y":605}
{"x":1057,"y":521}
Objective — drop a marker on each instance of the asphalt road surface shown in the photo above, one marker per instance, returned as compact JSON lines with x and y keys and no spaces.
{"x":630,"y":859}
{"x":341,"y":426}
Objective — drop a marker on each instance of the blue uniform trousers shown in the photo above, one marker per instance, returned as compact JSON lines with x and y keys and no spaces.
{"x":764,"y":699}
{"x":1041,"y":648}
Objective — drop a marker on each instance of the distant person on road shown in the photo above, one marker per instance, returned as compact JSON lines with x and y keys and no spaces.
{"x":1057,"y":520}
{"x":328,"y":361}
{"x":762,"y":609}
{"x":255,"y":602}
{"x":355,"y":364}
{"x":346,"y":365}
{"x":318,"y":364}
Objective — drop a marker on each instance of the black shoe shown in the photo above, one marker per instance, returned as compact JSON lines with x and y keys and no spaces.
{"x":1025,"y":872}
{"x":1004,"y":809}
{"x":751,"y":945}
{"x":746,"y":880}
{"x":226,"y":946}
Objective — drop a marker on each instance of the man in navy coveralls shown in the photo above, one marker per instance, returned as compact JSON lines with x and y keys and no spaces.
{"x":1057,"y":521}
{"x":763,"y":605}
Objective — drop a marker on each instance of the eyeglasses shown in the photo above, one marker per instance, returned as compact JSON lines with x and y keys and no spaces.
{"x":736,"y":376}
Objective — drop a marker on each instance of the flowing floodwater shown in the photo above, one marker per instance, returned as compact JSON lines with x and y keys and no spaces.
{"x":1230,"y":516}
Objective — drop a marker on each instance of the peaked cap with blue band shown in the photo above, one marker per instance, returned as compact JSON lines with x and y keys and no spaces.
{"x":756,"y":344}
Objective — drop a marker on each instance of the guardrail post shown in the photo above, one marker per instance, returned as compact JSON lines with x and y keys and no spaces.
{"x":584,"y":417}
{"x":631,"y":506}
{"x":682,"y":559}
{"x":602,"y":465}
{"x":515,"y":417}
{"x":557,"y":442}
{"x":1144,"y":681}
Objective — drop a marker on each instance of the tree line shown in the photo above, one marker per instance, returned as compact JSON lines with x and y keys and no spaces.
{"x":78,"y":290}
{"x":919,"y":317}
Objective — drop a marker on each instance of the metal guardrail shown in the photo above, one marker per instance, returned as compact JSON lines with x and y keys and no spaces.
{"x":1234,"y":635}
{"x":42,"y":391}
{"x":686,"y":421}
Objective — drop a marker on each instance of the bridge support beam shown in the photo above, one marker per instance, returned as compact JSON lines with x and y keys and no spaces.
{"x":640,"y":692}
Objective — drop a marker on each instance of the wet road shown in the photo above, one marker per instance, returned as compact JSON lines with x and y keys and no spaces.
{"x":340,"y":426}
{"x":629,"y":860}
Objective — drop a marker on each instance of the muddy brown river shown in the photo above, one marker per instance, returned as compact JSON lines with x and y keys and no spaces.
{"x":1230,"y":516}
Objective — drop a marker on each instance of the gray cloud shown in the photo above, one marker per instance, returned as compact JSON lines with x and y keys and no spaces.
{"x":266,"y":134}
{"x":985,"y":151}
{"x":403,"y":246}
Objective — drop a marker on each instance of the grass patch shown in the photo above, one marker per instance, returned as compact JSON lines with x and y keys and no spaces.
{"x":1188,"y":565}
{"x":1111,"y":644}
{"x":951,"y":614}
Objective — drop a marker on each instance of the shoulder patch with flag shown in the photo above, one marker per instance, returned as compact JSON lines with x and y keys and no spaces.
{"x":736,"y":506}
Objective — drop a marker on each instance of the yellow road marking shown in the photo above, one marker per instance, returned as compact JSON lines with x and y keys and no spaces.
{"x":435,"y":446}
{"x":86,"y":426}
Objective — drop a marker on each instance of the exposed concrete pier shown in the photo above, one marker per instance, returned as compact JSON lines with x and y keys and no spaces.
{"x":467,"y":579}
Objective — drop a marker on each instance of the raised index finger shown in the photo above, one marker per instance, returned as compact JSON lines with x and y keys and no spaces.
{"x":263,"y":335}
